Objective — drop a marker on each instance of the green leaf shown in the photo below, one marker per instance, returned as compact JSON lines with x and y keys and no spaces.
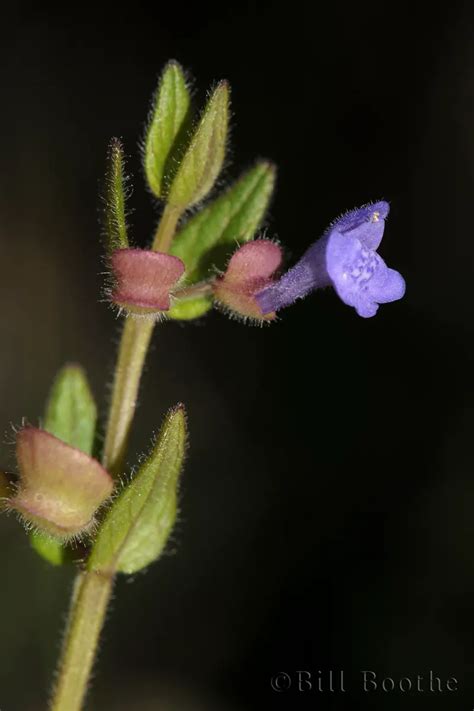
{"x":115,"y":198}
{"x":49,"y":549}
{"x":203,"y":159}
{"x":233,"y":217}
{"x":166,"y":129}
{"x":187,"y":309}
{"x":137,"y":525}
{"x":71,"y":415}
{"x":211,"y":235}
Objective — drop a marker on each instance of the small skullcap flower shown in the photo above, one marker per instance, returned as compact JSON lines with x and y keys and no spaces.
{"x":144,"y":279}
{"x":60,"y":487}
{"x":344,"y":257}
{"x":250,"y":269}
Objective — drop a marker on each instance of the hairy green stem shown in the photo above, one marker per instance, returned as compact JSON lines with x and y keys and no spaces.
{"x":92,"y":590}
{"x":89,"y":604}
{"x":131,"y":358}
{"x":133,"y":348}
{"x":166,"y":229}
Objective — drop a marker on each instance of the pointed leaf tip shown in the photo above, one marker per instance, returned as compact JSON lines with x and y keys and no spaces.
{"x":167,"y":127}
{"x":136,"y":528}
{"x":116,"y":197}
{"x":204,"y":157}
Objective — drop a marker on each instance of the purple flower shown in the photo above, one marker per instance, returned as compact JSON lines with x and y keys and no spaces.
{"x":344,"y":257}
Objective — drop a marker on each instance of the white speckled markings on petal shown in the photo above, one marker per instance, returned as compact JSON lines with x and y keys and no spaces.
{"x":360,"y":276}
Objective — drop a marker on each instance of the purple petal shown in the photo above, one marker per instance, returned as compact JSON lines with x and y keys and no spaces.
{"x":366,"y":308}
{"x":367,"y":223}
{"x":360,"y":276}
{"x":308,"y":274}
{"x":345,"y":258}
{"x":387,"y":285}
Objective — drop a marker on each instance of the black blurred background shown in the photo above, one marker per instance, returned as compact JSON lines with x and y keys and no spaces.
{"x":326,"y":519}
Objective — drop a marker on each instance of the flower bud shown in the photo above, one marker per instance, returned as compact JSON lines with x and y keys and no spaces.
{"x":249,"y":271}
{"x":60,"y":487}
{"x":144,"y":279}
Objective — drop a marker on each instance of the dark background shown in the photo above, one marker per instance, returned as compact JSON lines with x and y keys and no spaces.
{"x":326,"y":518}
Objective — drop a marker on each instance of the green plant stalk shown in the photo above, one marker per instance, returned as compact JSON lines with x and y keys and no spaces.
{"x":133,"y":349}
{"x":90,"y":598}
{"x":167,"y":227}
{"x":92,"y":590}
{"x":136,"y":336}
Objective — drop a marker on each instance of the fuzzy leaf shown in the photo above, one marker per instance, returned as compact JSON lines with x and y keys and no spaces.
{"x":115,"y":199}
{"x":71,"y":415}
{"x":49,"y":549}
{"x":188,"y":309}
{"x":167,"y":124}
{"x":203,"y":159}
{"x":210,"y":236}
{"x":137,"y":525}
